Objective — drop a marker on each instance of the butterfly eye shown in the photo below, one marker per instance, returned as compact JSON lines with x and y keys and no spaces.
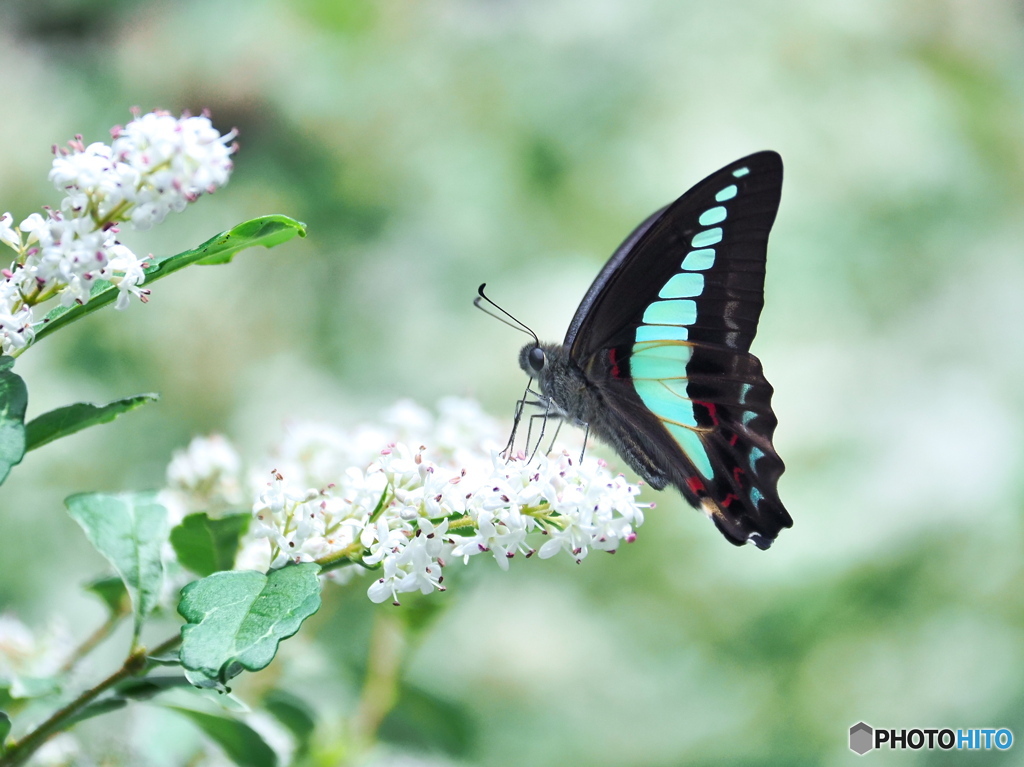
{"x":536,"y":359}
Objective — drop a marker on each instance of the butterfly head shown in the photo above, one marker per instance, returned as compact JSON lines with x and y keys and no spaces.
{"x":558,"y":382}
{"x":532,"y":359}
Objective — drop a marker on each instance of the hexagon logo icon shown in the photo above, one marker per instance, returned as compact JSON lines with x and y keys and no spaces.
{"x":861,"y":738}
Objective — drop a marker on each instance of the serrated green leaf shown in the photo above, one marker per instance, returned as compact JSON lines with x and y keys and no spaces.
{"x":206,"y":546}
{"x":13,"y":402}
{"x":242,"y":744}
{"x":113,"y":593}
{"x":295,"y":714}
{"x":236,"y":619}
{"x":130,"y":530}
{"x":265,"y":230}
{"x":73,"y":418}
{"x":422,"y":721}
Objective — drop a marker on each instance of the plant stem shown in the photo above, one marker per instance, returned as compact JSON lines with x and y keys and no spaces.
{"x":347,"y":555}
{"x":380,"y":690}
{"x":20,"y":751}
{"x":105,"y":630}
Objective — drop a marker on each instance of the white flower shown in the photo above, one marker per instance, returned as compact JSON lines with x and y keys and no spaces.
{"x":91,"y":176}
{"x":205,"y":476}
{"x":408,"y":563}
{"x":8,"y":235}
{"x":15,"y":320}
{"x":176,"y":161}
{"x":351,"y":498}
{"x":25,"y":653}
{"x":156,"y":164}
{"x":129,"y":274}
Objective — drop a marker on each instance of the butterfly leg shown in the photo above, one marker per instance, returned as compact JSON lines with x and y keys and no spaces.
{"x":557,"y":429}
{"x":529,"y":432}
{"x":586,"y":436}
{"x":516,"y":418}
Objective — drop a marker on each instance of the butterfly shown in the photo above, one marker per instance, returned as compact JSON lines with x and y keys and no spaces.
{"x":657,"y":362}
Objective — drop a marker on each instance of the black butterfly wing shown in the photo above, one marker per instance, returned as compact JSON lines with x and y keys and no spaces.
{"x":663,"y":337}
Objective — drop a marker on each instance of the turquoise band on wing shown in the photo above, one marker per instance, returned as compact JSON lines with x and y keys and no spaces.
{"x":671,"y":312}
{"x":659,"y":376}
{"x":661,"y":333}
{"x":707,"y":237}
{"x":711,"y":216}
{"x":699,"y":260}
{"x":726,"y":194}
{"x":683,"y":285}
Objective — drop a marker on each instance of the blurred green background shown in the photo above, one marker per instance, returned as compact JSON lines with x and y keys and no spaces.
{"x":432,"y":146}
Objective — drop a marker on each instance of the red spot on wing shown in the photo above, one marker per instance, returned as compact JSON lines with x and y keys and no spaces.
{"x":712,"y":409}
{"x":613,"y":354}
{"x":736,"y":474}
{"x":727,"y":501}
{"x":696,"y":485}
{"x":734,"y":439}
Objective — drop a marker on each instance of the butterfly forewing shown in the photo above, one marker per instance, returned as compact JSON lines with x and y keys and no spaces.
{"x":663,"y":336}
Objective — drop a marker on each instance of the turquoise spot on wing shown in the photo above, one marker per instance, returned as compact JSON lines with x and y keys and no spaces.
{"x":755,"y":453}
{"x":693,"y":447}
{"x":674,"y":312}
{"x":744,"y":391}
{"x":656,"y":360}
{"x":683,"y":285}
{"x":726,"y":194}
{"x":661,"y":333}
{"x":748,"y":416}
{"x":699,"y":260}
{"x":740,"y":172}
{"x":711,"y":216}
{"x":755,"y":496}
{"x":707,"y":237}
{"x":664,"y":402}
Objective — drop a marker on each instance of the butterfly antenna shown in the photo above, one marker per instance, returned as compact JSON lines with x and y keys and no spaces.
{"x":519,"y":325}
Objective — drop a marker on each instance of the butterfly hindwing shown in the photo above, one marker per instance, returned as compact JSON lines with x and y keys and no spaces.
{"x":663,"y":336}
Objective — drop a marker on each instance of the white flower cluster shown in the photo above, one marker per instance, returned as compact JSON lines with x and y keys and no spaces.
{"x":206,"y":476}
{"x":154,"y":165}
{"x":26,"y":655}
{"x":357,"y":499}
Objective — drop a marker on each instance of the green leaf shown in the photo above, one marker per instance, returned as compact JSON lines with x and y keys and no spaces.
{"x":96,"y":708}
{"x":24,"y":687}
{"x":163,"y":660}
{"x":13,"y":401}
{"x":5,"y":729}
{"x":147,"y":687}
{"x":236,"y":619}
{"x":67,"y":420}
{"x":113,"y":593}
{"x":265,"y":230}
{"x":130,"y":530}
{"x":206,"y":546}
{"x":295,"y":714}
{"x":242,"y":744}
{"x":423,"y":721}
